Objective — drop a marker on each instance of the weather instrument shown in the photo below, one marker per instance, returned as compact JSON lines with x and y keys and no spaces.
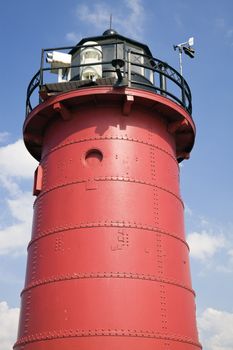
{"x":185,"y":47}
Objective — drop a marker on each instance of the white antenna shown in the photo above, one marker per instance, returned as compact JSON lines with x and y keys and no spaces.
{"x":110,"y":21}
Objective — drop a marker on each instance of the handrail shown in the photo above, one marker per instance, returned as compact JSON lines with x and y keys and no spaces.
{"x":34,"y":83}
{"x":170,"y":73}
{"x":162,"y":70}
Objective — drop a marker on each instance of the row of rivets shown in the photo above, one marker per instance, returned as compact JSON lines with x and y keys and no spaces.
{"x":109,"y":178}
{"x":109,"y":224}
{"x":104,"y":332}
{"x":75,"y":276}
{"x":103,"y":138}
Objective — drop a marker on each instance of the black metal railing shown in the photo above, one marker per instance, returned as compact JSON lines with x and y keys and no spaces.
{"x":138,"y":71}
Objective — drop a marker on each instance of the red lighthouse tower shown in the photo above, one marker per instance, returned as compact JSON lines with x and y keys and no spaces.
{"x":108,"y":263}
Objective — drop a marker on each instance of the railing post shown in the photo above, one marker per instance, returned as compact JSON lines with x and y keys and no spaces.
{"x":129,"y":67}
{"x":124,"y":57}
{"x":27,"y":108}
{"x":41,"y":67}
{"x":183,"y":92}
{"x":41,"y":73}
{"x":162,"y":79}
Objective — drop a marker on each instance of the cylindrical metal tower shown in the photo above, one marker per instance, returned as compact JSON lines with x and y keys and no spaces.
{"x":108,"y":264}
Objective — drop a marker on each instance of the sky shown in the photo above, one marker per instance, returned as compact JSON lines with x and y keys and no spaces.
{"x":206,"y":178}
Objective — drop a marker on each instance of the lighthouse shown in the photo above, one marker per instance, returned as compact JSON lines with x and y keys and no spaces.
{"x":108,"y":262}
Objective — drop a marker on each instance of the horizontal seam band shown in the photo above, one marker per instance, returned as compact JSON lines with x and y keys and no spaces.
{"x":53,"y":335}
{"x":106,"y":224}
{"x":75,"y":276}
{"x":109,"y":178}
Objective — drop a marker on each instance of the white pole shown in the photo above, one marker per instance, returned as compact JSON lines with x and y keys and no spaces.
{"x":180,"y":56}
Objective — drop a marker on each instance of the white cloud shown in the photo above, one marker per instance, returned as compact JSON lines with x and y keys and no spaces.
{"x":15,"y":161}
{"x":8,"y":325}
{"x":14,"y":238}
{"x":16,"y":165}
{"x":226,"y":28}
{"x":4,"y":136}
{"x":129,"y":20}
{"x":227,"y":267}
{"x":187,"y":210}
{"x":210,"y":241}
{"x":21,"y":206}
{"x":204,"y":245}
{"x":73,"y":37}
{"x":9,"y":184}
{"x":230,"y":254}
{"x":98,"y":16}
{"x":215,"y":329}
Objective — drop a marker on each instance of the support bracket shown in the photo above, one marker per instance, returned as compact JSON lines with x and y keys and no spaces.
{"x":129,"y":100}
{"x":175,"y":126}
{"x":62,"y":110}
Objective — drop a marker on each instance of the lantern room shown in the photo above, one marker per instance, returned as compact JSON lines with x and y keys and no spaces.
{"x":111,"y":60}
{"x":93,"y":58}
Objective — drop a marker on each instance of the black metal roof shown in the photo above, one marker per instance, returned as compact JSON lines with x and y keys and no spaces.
{"x":112,"y":34}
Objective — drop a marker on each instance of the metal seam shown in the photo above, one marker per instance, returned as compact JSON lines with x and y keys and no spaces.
{"x":57,"y":187}
{"x":71,"y":333}
{"x":109,"y":225}
{"x":123,"y":138}
{"x":74,"y":276}
{"x":110,"y":178}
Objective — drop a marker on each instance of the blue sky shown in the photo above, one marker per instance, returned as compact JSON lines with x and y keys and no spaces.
{"x":206,"y":179}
